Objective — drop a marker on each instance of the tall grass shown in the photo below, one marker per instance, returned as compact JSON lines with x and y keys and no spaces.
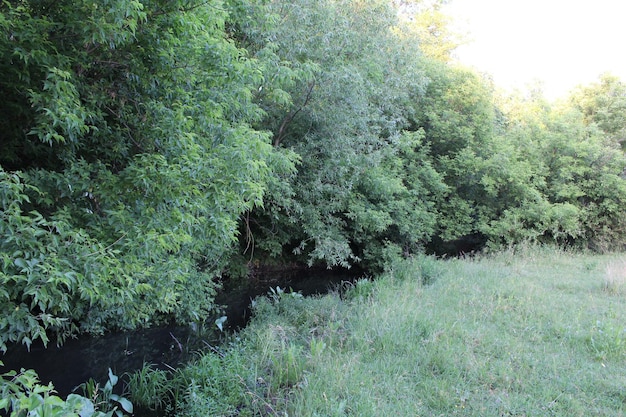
{"x":615,"y":277}
{"x":526,"y":332}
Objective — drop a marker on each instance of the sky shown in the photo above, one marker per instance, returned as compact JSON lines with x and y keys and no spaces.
{"x":561,"y":43}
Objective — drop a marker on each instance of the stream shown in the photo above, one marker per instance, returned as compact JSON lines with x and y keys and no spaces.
{"x":87,"y":357}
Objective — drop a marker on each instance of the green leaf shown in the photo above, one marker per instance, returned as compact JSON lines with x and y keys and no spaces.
{"x":124,"y":403}
{"x":220,"y":322}
{"x":20,"y":263}
{"x":112,"y":379}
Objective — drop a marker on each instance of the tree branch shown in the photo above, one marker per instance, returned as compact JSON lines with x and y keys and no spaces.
{"x":283,"y":127}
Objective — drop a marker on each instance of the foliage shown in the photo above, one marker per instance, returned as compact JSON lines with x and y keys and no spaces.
{"x":149,"y":388}
{"x":22,"y":394}
{"x":604,"y":104}
{"x":519,"y":168}
{"x":357,"y":184}
{"x":127,"y":160}
{"x":213,"y":385}
{"x":458,"y":119}
{"x":104,"y":398}
{"x":573,"y":177}
{"x":430,"y":27}
{"x":255,"y":372}
{"x":217,"y":382}
{"x":586,"y":174}
{"x":151,"y":147}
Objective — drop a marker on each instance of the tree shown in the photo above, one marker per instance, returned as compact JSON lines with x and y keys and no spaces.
{"x":458,"y":120}
{"x":585,"y":173}
{"x":345,"y":124}
{"x":425,"y":23}
{"x":604,"y":103}
{"x":572,"y":176}
{"x":129,"y":158}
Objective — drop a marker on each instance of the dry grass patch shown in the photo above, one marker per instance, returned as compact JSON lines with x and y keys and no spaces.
{"x":615,"y":277}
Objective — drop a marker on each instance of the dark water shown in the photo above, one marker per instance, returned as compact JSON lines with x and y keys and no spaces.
{"x":90,"y":357}
{"x":87,"y":357}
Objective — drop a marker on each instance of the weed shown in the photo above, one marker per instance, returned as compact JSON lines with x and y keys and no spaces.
{"x":362,"y":288}
{"x":317,"y":347}
{"x":150,"y":387}
{"x":607,"y":340}
{"x":427,"y":269}
{"x":287,"y":366}
{"x":22,"y":394}
{"x":104,"y":398}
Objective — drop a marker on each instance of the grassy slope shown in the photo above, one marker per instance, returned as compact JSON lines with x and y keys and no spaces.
{"x":530,"y":333}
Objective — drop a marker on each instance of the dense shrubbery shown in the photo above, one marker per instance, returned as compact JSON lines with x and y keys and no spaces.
{"x":150,"y":146}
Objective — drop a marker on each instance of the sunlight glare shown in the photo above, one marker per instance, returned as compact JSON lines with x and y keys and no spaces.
{"x":559,"y":43}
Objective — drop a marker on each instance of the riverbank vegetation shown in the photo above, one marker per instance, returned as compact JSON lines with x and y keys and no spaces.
{"x":529,"y":331}
{"x":153,"y":150}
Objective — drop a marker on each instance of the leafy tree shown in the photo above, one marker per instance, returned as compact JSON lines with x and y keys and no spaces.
{"x":128,"y":157}
{"x":458,"y":119}
{"x":393,"y":208}
{"x":344,"y":123}
{"x":573,"y":177}
{"x":604,"y":103}
{"x":425,"y":23}
{"x":585,"y":173}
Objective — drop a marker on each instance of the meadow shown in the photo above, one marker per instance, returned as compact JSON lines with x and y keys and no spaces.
{"x":530,"y":333}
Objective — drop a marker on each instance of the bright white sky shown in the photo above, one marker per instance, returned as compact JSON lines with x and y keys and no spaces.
{"x":562,"y":43}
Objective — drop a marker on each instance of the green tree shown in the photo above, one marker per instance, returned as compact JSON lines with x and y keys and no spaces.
{"x":345,"y":124}
{"x":424,"y":22}
{"x":572,"y":176}
{"x":128,"y":156}
{"x":586,"y":174}
{"x":604,"y":103}
{"x":458,"y":119}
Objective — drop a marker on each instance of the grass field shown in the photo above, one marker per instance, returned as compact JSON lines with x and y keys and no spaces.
{"x":528,"y":332}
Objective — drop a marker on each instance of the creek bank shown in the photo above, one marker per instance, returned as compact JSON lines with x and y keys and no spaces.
{"x":236,"y":300}
{"x":165,"y":347}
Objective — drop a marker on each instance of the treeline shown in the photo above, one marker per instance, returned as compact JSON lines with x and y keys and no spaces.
{"x":151,"y":147}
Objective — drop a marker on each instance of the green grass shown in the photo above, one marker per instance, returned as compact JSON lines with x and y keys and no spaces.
{"x":528,"y":332}
{"x":532,"y":332}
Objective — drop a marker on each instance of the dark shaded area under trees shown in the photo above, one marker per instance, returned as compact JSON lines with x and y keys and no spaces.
{"x":150,"y":148}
